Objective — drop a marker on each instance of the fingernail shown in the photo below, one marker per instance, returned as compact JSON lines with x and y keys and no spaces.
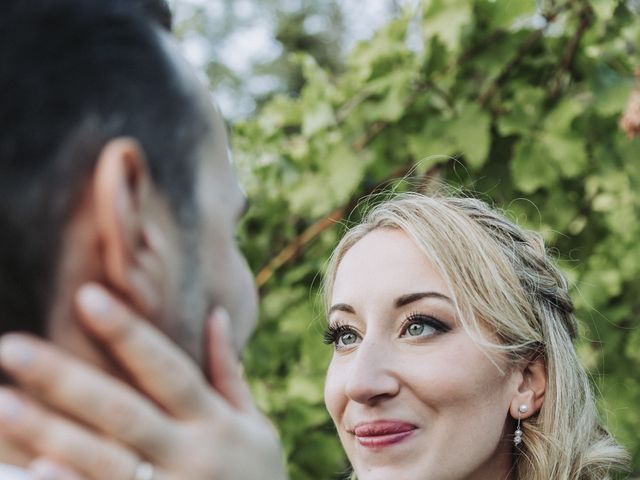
{"x":223,"y":317}
{"x":227,"y":332}
{"x":11,"y":408}
{"x":45,"y":470}
{"x":95,"y":301}
{"x":16,"y":353}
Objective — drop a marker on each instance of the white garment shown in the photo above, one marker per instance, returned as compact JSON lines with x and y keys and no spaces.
{"x":8,"y":472}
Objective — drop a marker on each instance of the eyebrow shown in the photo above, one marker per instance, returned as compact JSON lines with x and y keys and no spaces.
{"x":414,"y":297}
{"x":399,"y":302}
{"x":341,"y":307}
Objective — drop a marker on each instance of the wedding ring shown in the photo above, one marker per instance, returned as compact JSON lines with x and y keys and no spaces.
{"x":144,"y":471}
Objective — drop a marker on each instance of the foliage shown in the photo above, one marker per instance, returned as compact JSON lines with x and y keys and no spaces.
{"x":226,"y":26}
{"x":495,"y":96}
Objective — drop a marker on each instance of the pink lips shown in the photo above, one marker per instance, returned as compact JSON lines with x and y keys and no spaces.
{"x":382,"y":433}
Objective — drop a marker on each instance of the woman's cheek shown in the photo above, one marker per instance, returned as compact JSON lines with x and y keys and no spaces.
{"x":334,"y":394}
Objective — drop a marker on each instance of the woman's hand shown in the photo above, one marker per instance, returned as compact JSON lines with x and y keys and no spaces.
{"x":82,"y":423}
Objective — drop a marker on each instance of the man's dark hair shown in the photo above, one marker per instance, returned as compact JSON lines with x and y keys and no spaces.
{"x":159,"y":11}
{"x":75,"y":74}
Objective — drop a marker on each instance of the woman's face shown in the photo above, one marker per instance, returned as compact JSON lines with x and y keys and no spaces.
{"x":411,"y":394}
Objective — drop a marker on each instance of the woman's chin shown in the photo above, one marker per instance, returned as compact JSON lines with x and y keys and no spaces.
{"x":387,"y":472}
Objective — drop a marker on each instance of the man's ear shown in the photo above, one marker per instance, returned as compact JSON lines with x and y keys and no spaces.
{"x":122,"y":190}
{"x":531,"y":390}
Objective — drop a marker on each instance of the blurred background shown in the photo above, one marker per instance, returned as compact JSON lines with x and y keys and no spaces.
{"x":533,"y":106}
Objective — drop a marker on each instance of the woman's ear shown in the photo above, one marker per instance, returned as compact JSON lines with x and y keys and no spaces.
{"x":122,"y":188}
{"x":531,"y":390}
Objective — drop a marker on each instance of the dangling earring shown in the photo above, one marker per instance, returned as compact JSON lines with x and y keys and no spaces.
{"x":517,"y":436}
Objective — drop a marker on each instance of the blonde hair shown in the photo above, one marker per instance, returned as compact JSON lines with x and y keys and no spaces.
{"x":503,"y":280}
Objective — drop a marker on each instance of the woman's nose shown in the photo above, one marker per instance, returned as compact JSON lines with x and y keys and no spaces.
{"x":371,"y":376}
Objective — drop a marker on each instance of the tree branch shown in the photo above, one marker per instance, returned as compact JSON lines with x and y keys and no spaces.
{"x":528,"y":44}
{"x":291,"y":251}
{"x":586,"y":20}
{"x":515,"y":61}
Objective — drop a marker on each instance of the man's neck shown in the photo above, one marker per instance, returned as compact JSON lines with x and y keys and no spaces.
{"x":78,"y":264}
{"x":66,"y":333}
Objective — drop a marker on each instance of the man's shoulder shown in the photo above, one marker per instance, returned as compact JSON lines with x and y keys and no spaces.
{"x":7,"y":472}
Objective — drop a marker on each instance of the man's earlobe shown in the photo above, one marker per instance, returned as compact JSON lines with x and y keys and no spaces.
{"x":121,"y":188}
{"x":531,"y":389}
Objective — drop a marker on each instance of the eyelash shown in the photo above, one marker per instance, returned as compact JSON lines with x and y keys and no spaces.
{"x":417,"y":317}
{"x":334,"y":331}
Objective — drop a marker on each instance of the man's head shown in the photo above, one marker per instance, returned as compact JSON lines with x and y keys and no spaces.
{"x":113,"y":167}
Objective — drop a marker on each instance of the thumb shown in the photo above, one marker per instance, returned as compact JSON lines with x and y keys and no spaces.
{"x":224,"y":368}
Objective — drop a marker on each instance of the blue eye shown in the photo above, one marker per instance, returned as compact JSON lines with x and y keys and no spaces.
{"x":340,"y":336}
{"x":347,"y":338}
{"x":419,"y":325}
{"x":417,"y":329}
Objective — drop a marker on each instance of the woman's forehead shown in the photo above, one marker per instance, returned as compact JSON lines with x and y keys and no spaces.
{"x":389,"y":263}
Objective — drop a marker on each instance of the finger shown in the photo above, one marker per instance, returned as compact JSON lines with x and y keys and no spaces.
{"x":157,"y":365}
{"x":84,"y":393}
{"x":226,"y":375}
{"x":46,"y":469}
{"x":46,"y":434}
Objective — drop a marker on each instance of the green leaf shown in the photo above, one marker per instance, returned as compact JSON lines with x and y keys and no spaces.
{"x":611,"y":91}
{"x":344,"y":170}
{"x":471,"y":131}
{"x":301,"y":387}
{"x":433,"y":142}
{"x":445,"y":19}
{"x":563,"y":115}
{"x":603,"y":8}
{"x":568,"y":153}
{"x":309,"y":197}
{"x":503,"y":13}
{"x":280,"y":112}
{"x":395,"y":89}
{"x":385,"y":51}
{"x":522,"y":112}
{"x":532,"y":167}
{"x":318,"y":118}
{"x":436,"y":56}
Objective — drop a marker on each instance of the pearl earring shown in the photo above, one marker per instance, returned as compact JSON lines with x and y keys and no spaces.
{"x":517,"y":436}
